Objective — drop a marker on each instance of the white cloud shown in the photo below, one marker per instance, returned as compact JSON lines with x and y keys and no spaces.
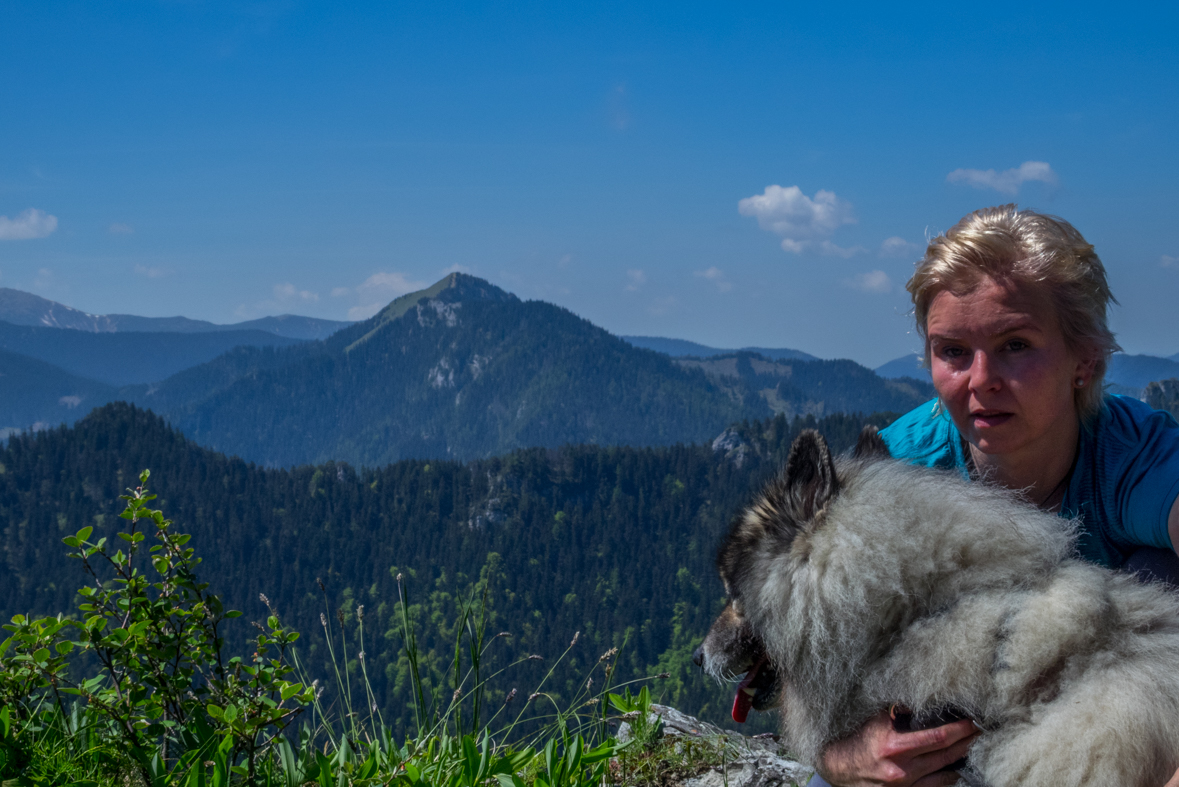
{"x":1169,"y":262}
{"x":565,"y":260}
{"x":1007,"y":181}
{"x":285,"y":293}
{"x":27,"y":225}
{"x":799,"y":219}
{"x":151,"y":273}
{"x":637,"y":280}
{"x":872,"y":281}
{"x":375,"y":292}
{"x":384,"y":287}
{"x":717,"y":277}
{"x":357,"y":313}
{"x":897,"y":247}
{"x":456,"y":268}
{"x":831,"y":250}
{"x":661,"y":306}
{"x":120,"y":229}
{"x":283,"y":296}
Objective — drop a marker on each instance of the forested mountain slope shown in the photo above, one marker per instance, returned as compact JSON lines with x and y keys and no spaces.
{"x":616,"y":543}
{"x":461,"y":370}
{"x":36,"y":394}
{"x":815,"y":387}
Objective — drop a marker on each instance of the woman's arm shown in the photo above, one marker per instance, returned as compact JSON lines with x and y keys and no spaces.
{"x":879,"y":755}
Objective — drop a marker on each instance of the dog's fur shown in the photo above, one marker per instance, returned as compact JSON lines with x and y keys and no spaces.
{"x":869,"y":582}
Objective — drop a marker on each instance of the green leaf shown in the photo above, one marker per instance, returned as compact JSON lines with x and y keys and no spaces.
{"x":290,"y":690}
{"x":84,"y":533}
{"x":325,"y":769}
{"x":70,"y":541}
{"x":510,"y":780}
{"x":41,"y":654}
{"x":64,"y":648}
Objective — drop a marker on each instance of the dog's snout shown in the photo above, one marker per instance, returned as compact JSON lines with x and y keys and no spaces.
{"x":698,"y":655}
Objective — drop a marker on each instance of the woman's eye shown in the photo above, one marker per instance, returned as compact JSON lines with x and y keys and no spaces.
{"x":950,"y":352}
{"x":1017,"y":344}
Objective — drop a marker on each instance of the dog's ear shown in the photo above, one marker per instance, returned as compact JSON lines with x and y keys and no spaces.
{"x":809,"y":476}
{"x":871,"y":445}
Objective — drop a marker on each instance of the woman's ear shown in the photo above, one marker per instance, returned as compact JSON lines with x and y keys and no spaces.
{"x":1083,"y":374}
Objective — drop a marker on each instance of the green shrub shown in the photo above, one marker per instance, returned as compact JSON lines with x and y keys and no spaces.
{"x":171,"y":695}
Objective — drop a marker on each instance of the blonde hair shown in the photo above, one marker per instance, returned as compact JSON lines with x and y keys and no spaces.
{"x":1005,"y":243}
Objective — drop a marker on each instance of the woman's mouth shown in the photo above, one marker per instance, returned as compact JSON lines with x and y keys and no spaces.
{"x":990,"y":418}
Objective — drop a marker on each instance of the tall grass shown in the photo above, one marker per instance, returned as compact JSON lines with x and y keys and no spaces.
{"x":457,"y":738}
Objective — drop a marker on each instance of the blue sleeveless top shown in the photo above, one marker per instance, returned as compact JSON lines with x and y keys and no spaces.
{"x":1123,"y":486}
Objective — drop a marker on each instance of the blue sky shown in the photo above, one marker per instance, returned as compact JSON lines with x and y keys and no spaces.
{"x":732,"y":174}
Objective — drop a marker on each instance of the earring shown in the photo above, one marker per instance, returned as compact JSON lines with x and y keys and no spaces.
{"x":1080,"y":382}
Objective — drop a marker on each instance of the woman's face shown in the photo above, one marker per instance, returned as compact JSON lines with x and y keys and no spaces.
{"x":1002,"y":369}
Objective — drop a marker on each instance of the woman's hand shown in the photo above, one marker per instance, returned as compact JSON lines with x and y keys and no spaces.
{"x":879,"y":755}
{"x":1174,"y":782}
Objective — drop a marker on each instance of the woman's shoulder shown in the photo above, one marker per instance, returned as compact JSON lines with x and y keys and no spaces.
{"x":924,"y":436}
{"x":1129,"y":421}
{"x":1127,"y":476}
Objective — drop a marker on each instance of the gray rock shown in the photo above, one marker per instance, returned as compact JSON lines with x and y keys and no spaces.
{"x":734,"y":448}
{"x":1163,"y":395}
{"x":754,"y":770}
{"x":756,"y":761}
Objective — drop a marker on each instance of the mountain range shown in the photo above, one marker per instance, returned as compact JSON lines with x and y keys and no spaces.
{"x":462,"y":369}
{"x":24,"y":308}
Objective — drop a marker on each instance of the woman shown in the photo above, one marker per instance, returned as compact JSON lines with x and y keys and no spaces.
{"x":1012,"y":307}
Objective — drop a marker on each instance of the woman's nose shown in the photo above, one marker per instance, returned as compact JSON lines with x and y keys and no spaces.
{"x":983,"y":374}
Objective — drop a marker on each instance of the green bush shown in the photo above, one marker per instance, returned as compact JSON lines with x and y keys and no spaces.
{"x":170,"y":694}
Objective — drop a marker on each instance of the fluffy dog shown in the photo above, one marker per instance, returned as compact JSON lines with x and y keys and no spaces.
{"x":863,"y":582}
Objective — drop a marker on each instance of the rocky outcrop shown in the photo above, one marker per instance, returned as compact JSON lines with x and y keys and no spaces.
{"x":1163,"y":395}
{"x":734,"y":447}
{"x":756,"y":761}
